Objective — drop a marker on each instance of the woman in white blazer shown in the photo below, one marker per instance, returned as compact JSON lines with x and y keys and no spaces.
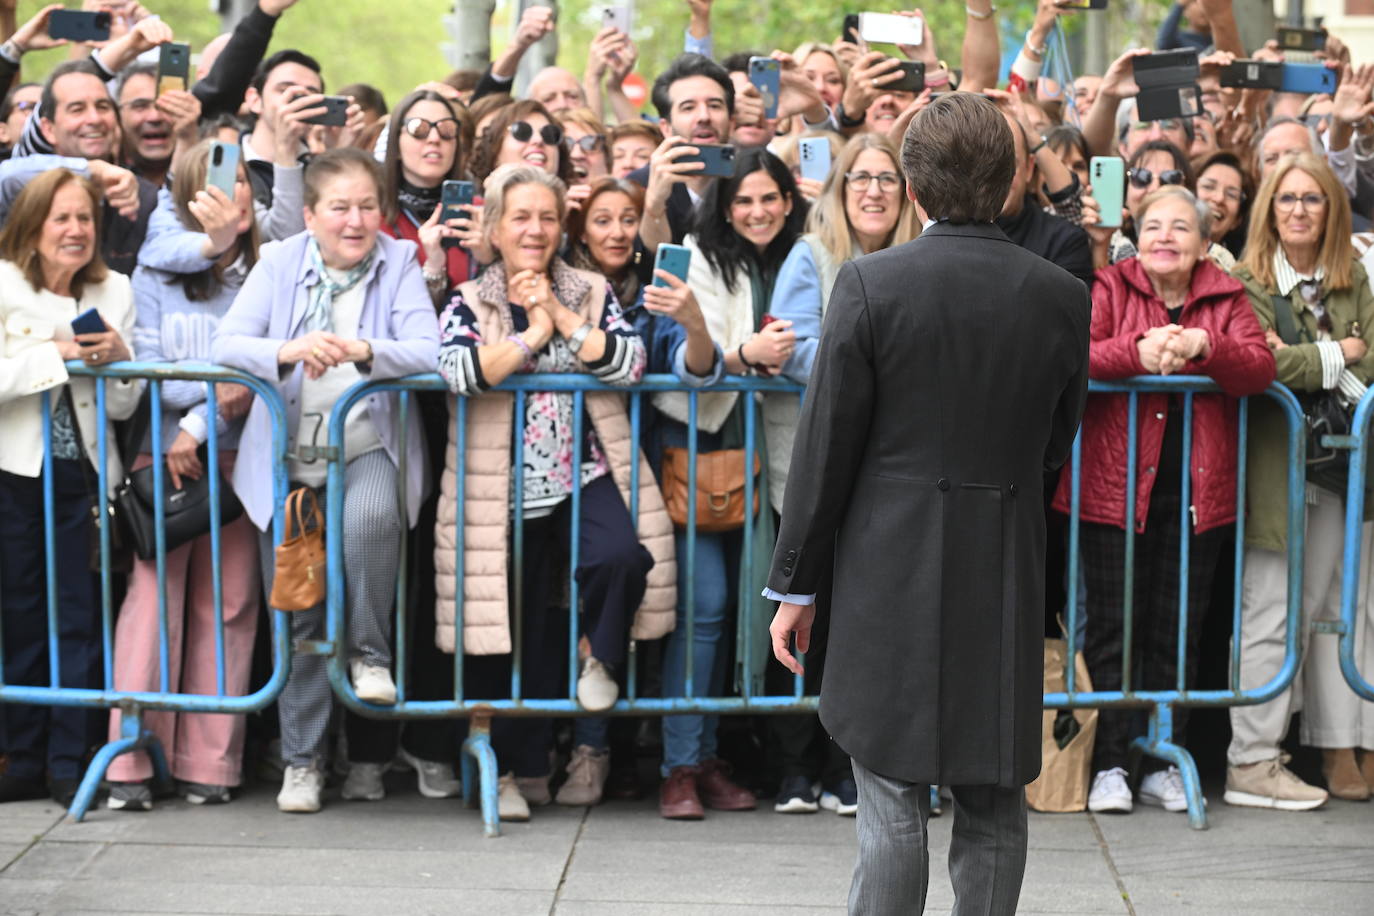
{"x":50,"y":271}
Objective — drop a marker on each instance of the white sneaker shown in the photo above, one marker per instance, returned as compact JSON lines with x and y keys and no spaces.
{"x":597,"y":691}
{"x":1110,"y":792}
{"x":372,"y":683}
{"x":300,"y":790}
{"x":1164,"y":789}
{"x":436,"y":778}
{"x":510,"y":804}
{"x":364,"y":782}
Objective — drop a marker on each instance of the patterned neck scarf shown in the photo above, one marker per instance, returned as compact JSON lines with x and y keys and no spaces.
{"x":417,"y":201}
{"x":319,"y":311}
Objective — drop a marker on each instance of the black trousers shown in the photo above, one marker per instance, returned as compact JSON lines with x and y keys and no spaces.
{"x":611,"y":570}
{"x":1154,"y":637}
{"x":798,"y":744}
{"x":41,"y":737}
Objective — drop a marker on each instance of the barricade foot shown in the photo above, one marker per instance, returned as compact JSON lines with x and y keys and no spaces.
{"x":478,"y":754}
{"x":1158,"y":744}
{"x":133,"y":737}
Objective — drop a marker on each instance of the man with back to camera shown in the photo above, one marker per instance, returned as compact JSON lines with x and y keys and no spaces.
{"x":952,"y":372}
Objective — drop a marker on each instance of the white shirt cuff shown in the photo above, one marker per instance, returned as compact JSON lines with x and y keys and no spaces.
{"x":790,"y":599}
{"x":195,"y":424}
{"x":1333,"y":362}
{"x":1351,"y":387}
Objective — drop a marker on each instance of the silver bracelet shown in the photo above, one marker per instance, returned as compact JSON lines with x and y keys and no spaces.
{"x":579,"y":337}
{"x":981,"y":17}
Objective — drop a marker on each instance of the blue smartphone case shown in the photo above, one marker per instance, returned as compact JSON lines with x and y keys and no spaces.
{"x":766,"y":76}
{"x":814,"y":153}
{"x":675,"y":259}
{"x":223,"y":170}
{"x":88,"y":322}
{"x":1308,"y":79}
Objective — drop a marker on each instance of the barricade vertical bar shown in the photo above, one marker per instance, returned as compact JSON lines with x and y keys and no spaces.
{"x":746,"y":570}
{"x":1128,"y":600}
{"x":516,"y":613}
{"x":164,"y":665}
{"x":50,"y":547}
{"x":636,"y":421}
{"x":216,"y":573}
{"x":460,"y":490}
{"x":574,"y":548}
{"x":689,"y":685}
{"x":1354,"y":537}
{"x":1238,"y":571}
{"x":401,"y":634}
{"x":1075,"y":499}
{"x":106,"y":588}
{"x":1185,"y":530}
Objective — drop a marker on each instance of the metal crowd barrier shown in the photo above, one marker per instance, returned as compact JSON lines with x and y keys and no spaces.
{"x":477,"y":751}
{"x":1158,"y":740}
{"x":1351,"y":612}
{"x":134,"y":736}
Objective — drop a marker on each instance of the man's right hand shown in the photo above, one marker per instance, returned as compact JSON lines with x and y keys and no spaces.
{"x":535,"y":23}
{"x":290,"y":127}
{"x":665,"y":170}
{"x":120,"y":186}
{"x":873,"y":71}
{"x":1119,"y":80}
{"x":790,"y":619}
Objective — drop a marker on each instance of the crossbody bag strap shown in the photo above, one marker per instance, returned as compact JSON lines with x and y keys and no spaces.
{"x":1284,"y":322}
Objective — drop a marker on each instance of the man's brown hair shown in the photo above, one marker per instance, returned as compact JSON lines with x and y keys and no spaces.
{"x":959,"y":158}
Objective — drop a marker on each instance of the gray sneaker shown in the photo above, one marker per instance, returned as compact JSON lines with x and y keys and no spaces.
{"x":130,"y":796}
{"x":1270,"y":784}
{"x":300,"y":790}
{"x":364,"y":782}
{"x":587,"y":772}
{"x":435,"y":777}
{"x":204,"y":794}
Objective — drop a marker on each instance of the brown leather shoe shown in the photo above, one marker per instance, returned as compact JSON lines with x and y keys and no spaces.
{"x":718,"y":791}
{"x":1343,"y":779}
{"x":677,"y":797}
{"x":1367,"y":767}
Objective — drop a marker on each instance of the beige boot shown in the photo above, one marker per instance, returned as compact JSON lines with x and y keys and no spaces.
{"x":1343,"y":777}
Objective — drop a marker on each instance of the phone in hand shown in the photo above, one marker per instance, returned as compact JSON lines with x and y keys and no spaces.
{"x":1090,"y":5}
{"x":88,"y":322}
{"x":1293,"y":39}
{"x":913,"y":77}
{"x":223,"y":169}
{"x":1252,"y":74}
{"x":766,"y":75}
{"x":79,"y":25}
{"x":335,"y":112}
{"x":719,"y":159}
{"x":173,"y":67}
{"x":1308,"y":79}
{"x":889,"y":28}
{"x":814,"y":155}
{"x":849,"y":31}
{"x":455,"y":199}
{"x":673,"y":259}
{"x":1168,"y":85}
{"x":617,"y":17}
{"x":1107,"y":175}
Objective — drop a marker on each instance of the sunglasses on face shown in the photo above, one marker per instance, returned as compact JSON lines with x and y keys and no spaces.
{"x":522,"y":131}
{"x":1141,"y":178}
{"x":588,"y":144}
{"x":419,"y":128}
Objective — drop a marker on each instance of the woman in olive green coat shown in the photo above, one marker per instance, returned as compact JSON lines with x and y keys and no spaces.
{"x":1313,"y":299}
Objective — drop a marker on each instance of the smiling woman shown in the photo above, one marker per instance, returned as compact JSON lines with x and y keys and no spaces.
{"x":50,"y":270}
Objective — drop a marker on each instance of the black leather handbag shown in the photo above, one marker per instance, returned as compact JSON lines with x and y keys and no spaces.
{"x":1324,"y":412}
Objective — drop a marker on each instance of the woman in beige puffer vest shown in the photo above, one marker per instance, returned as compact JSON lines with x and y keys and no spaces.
{"x":532,"y":312}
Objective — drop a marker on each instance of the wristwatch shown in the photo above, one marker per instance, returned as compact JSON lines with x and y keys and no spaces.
{"x":579,"y":337}
{"x":843,"y":117}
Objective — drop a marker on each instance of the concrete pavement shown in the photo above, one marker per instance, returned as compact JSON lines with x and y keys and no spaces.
{"x":409,"y":855}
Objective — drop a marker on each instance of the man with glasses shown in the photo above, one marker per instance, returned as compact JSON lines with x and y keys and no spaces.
{"x":153,"y":125}
{"x":19,"y":104}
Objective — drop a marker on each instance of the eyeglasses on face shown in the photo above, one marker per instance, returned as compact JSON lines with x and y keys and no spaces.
{"x":25,"y":106}
{"x":588,"y":144}
{"x":419,"y":128}
{"x":1288,"y":201}
{"x":522,"y":131}
{"x":887,"y":181}
{"x":1141,"y":178}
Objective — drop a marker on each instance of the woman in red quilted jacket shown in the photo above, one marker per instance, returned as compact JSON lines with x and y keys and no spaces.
{"x":1167,"y":311}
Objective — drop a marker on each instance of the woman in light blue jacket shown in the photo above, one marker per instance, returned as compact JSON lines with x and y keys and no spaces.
{"x":320,"y":312}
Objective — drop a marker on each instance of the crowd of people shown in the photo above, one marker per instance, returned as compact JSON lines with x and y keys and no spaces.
{"x":1237,"y":256}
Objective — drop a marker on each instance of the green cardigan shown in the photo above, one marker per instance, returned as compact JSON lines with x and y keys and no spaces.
{"x":1299,"y":367}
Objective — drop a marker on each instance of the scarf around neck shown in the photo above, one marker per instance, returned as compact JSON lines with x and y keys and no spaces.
{"x":319,"y":311}
{"x":417,"y":201}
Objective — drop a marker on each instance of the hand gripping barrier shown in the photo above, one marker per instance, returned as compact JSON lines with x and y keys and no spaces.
{"x":1158,"y":740}
{"x":477,"y":752}
{"x":132,"y":704}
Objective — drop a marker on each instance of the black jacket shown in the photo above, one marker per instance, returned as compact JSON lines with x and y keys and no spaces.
{"x":1053,"y":238}
{"x":679,"y":206}
{"x":120,"y":238}
{"x":952,"y":371}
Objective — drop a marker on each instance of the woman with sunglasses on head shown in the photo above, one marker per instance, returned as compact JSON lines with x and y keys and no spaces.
{"x":1167,"y":311}
{"x":428,"y":140}
{"x":1313,"y":300}
{"x":742,"y":231}
{"x":1225,"y":186}
{"x":862,"y":208}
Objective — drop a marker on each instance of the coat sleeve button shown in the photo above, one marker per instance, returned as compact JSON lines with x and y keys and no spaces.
{"x":943,"y":483}
{"x":787,"y":570}
{"x":1012,"y":489}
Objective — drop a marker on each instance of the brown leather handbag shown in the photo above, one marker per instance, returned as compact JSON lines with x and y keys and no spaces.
{"x":720,"y":488}
{"x":298,"y":584}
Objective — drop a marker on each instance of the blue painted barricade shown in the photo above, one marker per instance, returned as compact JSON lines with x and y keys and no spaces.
{"x":1351,"y":610}
{"x":132,"y":703}
{"x":1158,"y":741}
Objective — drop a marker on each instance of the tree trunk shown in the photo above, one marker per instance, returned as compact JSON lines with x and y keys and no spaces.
{"x":541,"y":54}
{"x":469,"y":28}
{"x":1255,"y":19}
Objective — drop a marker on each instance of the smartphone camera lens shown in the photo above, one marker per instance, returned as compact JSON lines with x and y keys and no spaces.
{"x":218,"y":155}
{"x":102,"y":20}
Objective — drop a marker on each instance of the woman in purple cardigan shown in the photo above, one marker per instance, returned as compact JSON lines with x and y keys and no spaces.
{"x":321,"y":311}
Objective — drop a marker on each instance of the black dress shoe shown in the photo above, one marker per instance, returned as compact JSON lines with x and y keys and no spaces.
{"x":20,"y":788}
{"x":64,"y":790}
